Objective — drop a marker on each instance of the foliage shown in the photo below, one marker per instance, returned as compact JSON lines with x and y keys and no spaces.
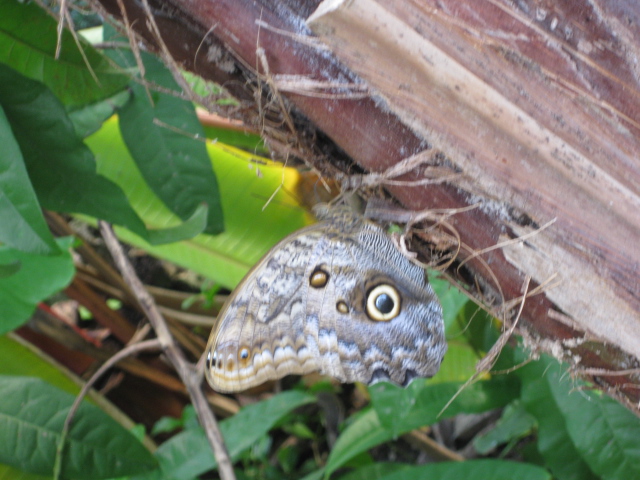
{"x":46,"y":164}
{"x":149,"y":173}
{"x":32,"y":415}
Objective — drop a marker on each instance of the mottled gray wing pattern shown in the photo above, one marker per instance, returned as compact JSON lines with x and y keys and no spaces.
{"x":336,"y":297}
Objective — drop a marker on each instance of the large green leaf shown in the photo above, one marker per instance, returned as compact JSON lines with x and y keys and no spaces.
{"x":89,"y":119}
{"x":23,"y":225}
{"x":462,"y":318}
{"x":32,"y":413}
{"x":39,"y":277}
{"x":451,"y":299}
{"x":166,"y":140}
{"x":605,"y":433}
{"x":514,"y":425}
{"x":582,"y":434}
{"x":9,"y":472}
{"x":61,"y":168}
{"x":404,"y":409}
{"x":476,"y":327}
{"x":188,"y":454}
{"x":487,"y":469}
{"x":27,"y":43}
{"x":554,"y":442}
{"x":398,"y":410}
{"x":8,"y":269}
{"x":375,"y":471}
{"x":246,"y":184}
{"x":362,"y":434}
{"x":19,"y":358}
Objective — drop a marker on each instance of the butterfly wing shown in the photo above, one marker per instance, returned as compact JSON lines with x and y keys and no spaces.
{"x":394,"y":328}
{"x":337,"y":298}
{"x":261,"y":332}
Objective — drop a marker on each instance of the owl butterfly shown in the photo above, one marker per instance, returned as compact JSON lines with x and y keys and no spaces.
{"x":337,"y":298}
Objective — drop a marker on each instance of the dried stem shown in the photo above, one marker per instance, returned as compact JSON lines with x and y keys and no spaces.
{"x":186,"y":371}
{"x":485,"y":364}
{"x":125,"y":352}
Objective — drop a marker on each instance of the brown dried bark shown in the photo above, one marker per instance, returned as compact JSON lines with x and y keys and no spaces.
{"x":537,"y":107}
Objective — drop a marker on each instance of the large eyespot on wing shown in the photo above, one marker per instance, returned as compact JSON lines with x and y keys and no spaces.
{"x":395,"y":330}
{"x":383,"y":303}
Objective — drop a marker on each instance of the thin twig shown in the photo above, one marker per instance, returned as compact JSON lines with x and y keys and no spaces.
{"x":186,"y":371}
{"x":512,"y":241}
{"x":489,"y":360}
{"x":605,"y":372}
{"x":124,"y":353}
{"x":63,"y":9}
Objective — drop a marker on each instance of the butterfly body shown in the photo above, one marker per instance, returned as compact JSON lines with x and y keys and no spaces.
{"x":336,"y":297}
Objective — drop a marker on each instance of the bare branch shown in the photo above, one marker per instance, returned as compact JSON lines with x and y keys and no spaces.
{"x":185,"y":370}
{"x":125,"y":352}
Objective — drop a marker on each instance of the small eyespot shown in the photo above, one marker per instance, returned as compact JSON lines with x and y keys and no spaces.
{"x":213,"y":360}
{"x":230,"y":365}
{"x":243,"y":356}
{"x":342,"y":307}
{"x":209,"y":361}
{"x":383,"y":303}
{"x":318,"y":278}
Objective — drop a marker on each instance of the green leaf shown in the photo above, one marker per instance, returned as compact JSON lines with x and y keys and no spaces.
{"x":249,"y":142}
{"x":398,"y":410}
{"x":476,"y":326}
{"x":375,"y":471}
{"x":27,"y":43}
{"x":514,"y":424}
{"x":188,"y":421}
{"x":31,"y":417}
{"x":60,"y":166}
{"x":403,"y":409}
{"x":166,"y":425}
{"x":8,"y":269}
{"x":166,"y":140}
{"x":188,"y":229}
{"x":463,"y":319}
{"x":238,"y":137}
{"x":459,"y":364}
{"x":315,"y":475}
{"x":467,"y":328}
{"x":361,"y":435}
{"x":554,"y":442}
{"x":39,"y":277}
{"x":451,"y":299}
{"x":19,"y":358}
{"x":9,"y":472}
{"x":89,"y":118}
{"x":592,"y":434}
{"x":250,"y":229}
{"x":472,"y":470}
{"x":23,"y":225}
{"x":188,"y":454}
{"x":300,"y":430}
{"x":605,"y":433}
